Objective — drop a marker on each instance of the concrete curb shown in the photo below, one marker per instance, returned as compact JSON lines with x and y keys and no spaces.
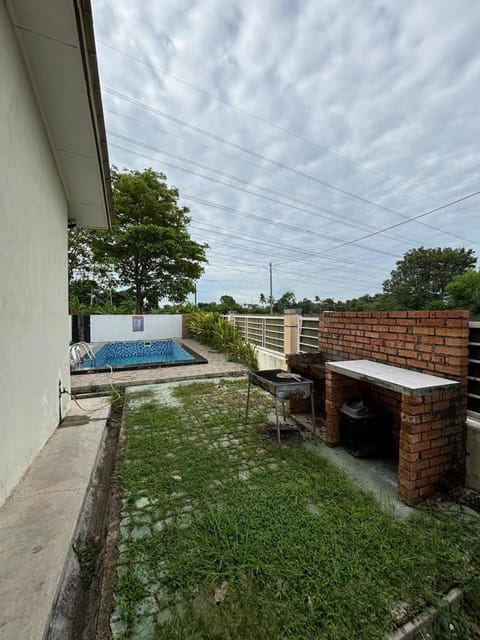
{"x":426,"y":620}
{"x":136,"y":383}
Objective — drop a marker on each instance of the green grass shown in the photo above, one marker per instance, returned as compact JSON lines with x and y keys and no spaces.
{"x":301,"y":552}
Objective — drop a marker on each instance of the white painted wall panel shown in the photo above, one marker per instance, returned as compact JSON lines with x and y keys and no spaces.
{"x":270,"y":360}
{"x":33,"y":268}
{"x":113,"y":328}
{"x":473,"y":454}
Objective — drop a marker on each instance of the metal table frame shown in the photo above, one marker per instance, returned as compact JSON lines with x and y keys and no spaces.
{"x":312,"y":403}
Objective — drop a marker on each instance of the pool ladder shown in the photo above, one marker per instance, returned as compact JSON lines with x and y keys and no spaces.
{"x":79,"y":352}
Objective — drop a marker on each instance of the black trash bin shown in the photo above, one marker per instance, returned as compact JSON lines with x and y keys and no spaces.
{"x":364,"y":428}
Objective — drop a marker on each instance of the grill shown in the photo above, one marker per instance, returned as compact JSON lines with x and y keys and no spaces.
{"x":282,"y":386}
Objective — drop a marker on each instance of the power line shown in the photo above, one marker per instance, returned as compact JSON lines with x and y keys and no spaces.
{"x":361,"y":274}
{"x":269,"y":254}
{"x":343,"y":244}
{"x":275,"y":223}
{"x":334,"y":216}
{"x":183,"y":136}
{"x":257,"y":117}
{"x":399,"y":224}
{"x":213,"y":229}
{"x":231,"y":186}
{"x":296,"y":274}
{"x":276,"y":163}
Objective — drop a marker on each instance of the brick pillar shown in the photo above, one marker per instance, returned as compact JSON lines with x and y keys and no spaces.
{"x":338,"y":388}
{"x":432,"y":443}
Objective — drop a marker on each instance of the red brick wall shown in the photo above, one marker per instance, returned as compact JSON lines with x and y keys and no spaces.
{"x":434,"y":342}
{"x":432,"y":444}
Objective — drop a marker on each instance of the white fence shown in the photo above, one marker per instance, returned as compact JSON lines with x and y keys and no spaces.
{"x":264,"y":331}
{"x":271,"y":332}
{"x":308,"y":335}
{"x":113,"y":328}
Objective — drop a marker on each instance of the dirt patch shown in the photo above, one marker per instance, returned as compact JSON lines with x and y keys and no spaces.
{"x":105,"y":603}
{"x":467,"y":498}
{"x":287,"y":432}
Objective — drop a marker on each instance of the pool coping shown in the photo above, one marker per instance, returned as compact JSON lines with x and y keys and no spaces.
{"x":196,"y":359}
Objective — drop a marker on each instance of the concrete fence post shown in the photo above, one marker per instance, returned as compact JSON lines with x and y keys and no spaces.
{"x":231,"y":317}
{"x":291,"y":324}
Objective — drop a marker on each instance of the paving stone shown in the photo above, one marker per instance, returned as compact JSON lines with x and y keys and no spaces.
{"x":313,"y":508}
{"x":118,"y":628}
{"x":139,"y":532}
{"x":141,"y":503}
{"x":238,"y":446}
{"x":164,"y":616}
{"x":145,"y":628}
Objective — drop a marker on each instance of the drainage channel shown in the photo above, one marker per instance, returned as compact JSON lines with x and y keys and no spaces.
{"x":77,"y":612}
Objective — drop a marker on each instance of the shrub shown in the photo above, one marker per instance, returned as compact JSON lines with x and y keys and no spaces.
{"x":215,"y":330}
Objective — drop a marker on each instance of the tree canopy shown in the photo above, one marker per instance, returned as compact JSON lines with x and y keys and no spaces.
{"x":286,"y":301}
{"x":421,"y":276}
{"x":464,"y":291}
{"x":149,"y":248}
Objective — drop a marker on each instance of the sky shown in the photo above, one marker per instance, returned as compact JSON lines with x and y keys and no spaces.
{"x":296,"y":129}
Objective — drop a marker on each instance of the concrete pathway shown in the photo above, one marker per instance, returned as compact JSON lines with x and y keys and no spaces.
{"x":39,"y":520}
{"x":375,"y":476}
{"x":217,"y":365}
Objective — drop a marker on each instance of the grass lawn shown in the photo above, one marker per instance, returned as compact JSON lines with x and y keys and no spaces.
{"x":226,"y":536}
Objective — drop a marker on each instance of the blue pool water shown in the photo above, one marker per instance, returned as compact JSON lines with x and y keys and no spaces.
{"x":128,"y":354}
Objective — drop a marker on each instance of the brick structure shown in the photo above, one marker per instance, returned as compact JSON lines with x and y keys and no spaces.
{"x":428,"y":431}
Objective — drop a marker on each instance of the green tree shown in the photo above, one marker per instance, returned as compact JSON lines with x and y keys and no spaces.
{"x":307,"y":307}
{"x":149,"y":247}
{"x":464,"y":291}
{"x":228,"y":303}
{"x":286,"y":301}
{"x":421,"y":277}
{"x":84,"y":281}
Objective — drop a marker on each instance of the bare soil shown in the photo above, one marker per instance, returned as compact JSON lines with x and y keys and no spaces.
{"x":107,"y":572}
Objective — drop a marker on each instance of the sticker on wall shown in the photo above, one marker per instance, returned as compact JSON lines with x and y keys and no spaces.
{"x":137,"y":323}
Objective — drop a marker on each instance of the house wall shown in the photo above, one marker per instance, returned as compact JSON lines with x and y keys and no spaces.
{"x":112,"y":328}
{"x":33,"y":272}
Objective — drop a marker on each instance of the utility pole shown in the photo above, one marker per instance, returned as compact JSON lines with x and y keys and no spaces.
{"x":271,"y":291}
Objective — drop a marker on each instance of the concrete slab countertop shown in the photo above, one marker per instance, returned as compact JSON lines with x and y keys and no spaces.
{"x":394,"y":378}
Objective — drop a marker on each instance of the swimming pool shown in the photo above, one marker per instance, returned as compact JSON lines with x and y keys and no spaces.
{"x":138,"y":355}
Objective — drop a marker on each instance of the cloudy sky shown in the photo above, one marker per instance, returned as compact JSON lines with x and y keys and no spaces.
{"x":295,"y":129}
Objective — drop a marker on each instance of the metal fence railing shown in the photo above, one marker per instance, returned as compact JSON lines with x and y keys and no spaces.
{"x":263,"y":331}
{"x":308,"y":335}
{"x":473,"y":393}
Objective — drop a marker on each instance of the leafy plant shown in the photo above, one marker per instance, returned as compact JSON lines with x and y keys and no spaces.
{"x":215,"y":330}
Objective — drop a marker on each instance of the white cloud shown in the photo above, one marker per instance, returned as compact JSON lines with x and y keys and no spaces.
{"x":391,"y":89}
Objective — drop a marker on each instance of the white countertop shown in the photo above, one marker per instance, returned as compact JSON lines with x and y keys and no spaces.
{"x":395,"y":378}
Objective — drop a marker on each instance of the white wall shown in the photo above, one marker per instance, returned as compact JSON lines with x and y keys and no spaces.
{"x":473,"y":454}
{"x":33,"y":272}
{"x":270,"y":360}
{"x":105,"y":328}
